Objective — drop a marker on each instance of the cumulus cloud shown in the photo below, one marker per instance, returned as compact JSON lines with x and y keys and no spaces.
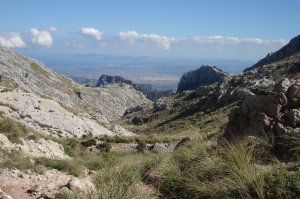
{"x":12,"y":40}
{"x":161,"y":41}
{"x":92,"y":32}
{"x":221,"y":40}
{"x":42,"y":37}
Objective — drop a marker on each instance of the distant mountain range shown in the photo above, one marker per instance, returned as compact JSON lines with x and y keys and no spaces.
{"x":161,"y":73}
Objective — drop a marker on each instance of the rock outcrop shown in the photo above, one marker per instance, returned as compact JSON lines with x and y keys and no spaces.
{"x":108,"y":79}
{"x":147,"y":89}
{"x":203,"y":76}
{"x":17,"y":184}
{"x":274,"y":116}
{"x":35,"y":148}
{"x":47,"y":116}
{"x":292,"y":47}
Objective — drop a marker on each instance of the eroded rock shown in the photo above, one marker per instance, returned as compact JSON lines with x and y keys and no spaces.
{"x":273,"y":116}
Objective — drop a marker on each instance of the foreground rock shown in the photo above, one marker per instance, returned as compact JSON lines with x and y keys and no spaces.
{"x":17,"y":184}
{"x":35,"y":148}
{"x":203,"y":76}
{"x":274,"y":116}
{"x":47,"y":116}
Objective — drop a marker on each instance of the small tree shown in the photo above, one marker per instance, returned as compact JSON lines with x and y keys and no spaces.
{"x":141,"y":147}
{"x":104,"y":147}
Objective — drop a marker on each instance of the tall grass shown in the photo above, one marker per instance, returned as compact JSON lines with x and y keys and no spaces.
{"x":203,"y":170}
{"x":13,"y":130}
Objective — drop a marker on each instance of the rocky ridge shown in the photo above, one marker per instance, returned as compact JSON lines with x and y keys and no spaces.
{"x":32,"y":76}
{"x":56,"y":107}
{"x":291,"y":48}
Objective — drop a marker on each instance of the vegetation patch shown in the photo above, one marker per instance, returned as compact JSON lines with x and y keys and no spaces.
{"x":12,"y":130}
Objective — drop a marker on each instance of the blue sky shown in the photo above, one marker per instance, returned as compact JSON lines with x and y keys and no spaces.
{"x":220,"y":29}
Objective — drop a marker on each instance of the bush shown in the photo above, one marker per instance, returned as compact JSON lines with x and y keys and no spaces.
{"x":141,"y":147}
{"x":104,"y":147}
{"x":282,"y":184}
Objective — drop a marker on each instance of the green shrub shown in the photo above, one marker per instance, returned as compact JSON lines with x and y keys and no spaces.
{"x":282,"y":184}
{"x":104,"y":147}
{"x":141,"y":147}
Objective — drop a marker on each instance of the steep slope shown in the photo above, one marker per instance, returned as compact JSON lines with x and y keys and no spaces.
{"x":291,"y":48}
{"x":32,"y":76}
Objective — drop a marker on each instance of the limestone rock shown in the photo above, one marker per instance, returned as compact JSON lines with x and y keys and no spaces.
{"x":203,"y":76}
{"x":120,"y":131}
{"x":47,"y":116}
{"x":107,"y":79}
{"x":75,"y":184}
{"x":35,"y":148}
{"x":30,"y":75}
{"x":273,"y":116}
{"x":33,"y":185}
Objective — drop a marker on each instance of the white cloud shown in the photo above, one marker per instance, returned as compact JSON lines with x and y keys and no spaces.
{"x":221,"y":40}
{"x":92,"y":32}
{"x":13,"y":40}
{"x":52,"y":29}
{"x":42,"y":37}
{"x":161,"y":41}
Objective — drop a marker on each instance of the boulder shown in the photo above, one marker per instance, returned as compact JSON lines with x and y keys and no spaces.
{"x":273,"y":116}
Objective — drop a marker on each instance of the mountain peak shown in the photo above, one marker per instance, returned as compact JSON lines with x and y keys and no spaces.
{"x":291,"y":48}
{"x":203,"y":76}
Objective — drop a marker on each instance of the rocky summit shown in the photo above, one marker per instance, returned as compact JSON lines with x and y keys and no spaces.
{"x":203,"y":76}
{"x":108,"y":79}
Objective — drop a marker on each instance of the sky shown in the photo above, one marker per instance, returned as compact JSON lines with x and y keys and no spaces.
{"x":196,"y":29}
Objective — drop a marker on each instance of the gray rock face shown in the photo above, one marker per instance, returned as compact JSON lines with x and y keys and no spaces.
{"x":111,"y":101}
{"x":292,"y":47}
{"x":203,"y":76}
{"x":274,"y":116}
{"x":108,"y":79}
